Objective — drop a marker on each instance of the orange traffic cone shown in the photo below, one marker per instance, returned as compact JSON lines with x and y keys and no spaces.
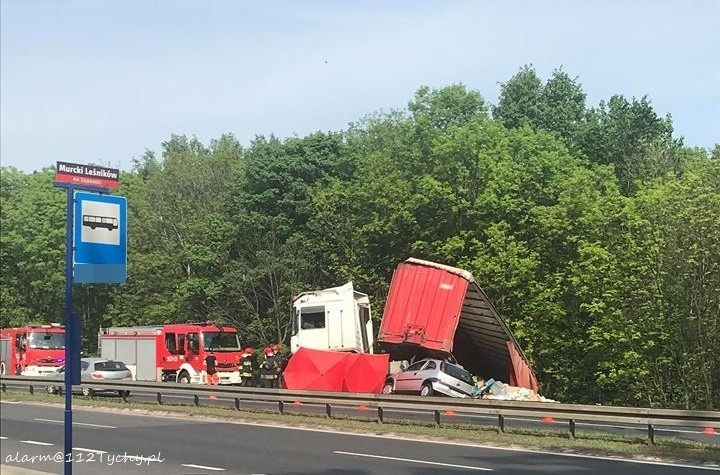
{"x":709,"y":430}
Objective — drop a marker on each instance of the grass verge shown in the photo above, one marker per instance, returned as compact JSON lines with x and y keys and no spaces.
{"x":588,"y":443}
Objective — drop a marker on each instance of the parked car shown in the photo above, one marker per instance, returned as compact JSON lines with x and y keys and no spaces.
{"x":93,"y":369}
{"x":429,"y":376}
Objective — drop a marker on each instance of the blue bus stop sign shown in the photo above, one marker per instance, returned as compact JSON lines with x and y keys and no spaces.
{"x":100,"y":239}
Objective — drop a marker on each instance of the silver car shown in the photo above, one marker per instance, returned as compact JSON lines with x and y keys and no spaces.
{"x":429,"y":376}
{"x":94,"y":369}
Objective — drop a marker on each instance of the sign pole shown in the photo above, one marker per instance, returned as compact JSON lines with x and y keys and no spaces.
{"x":72,"y":176}
{"x":69,"y":331}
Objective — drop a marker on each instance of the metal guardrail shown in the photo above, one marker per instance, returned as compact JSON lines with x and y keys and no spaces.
{"x":380,"y":402}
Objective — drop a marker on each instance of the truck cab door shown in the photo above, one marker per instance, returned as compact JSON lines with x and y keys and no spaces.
{"x":193,"y":346}
{"x":181,"y":346}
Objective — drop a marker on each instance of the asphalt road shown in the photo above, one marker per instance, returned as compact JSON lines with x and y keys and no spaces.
{"x":390,"y":415}
{"x":102,"y":439}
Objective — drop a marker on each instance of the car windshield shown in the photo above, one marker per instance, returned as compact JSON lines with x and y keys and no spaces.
{"x":43,"y":339}
{"x":457,"y":373}
{"x":110,"y":366}
{"x":221,"y":341}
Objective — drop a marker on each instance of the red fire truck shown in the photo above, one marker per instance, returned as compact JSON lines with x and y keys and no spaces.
{"x":34,"y":350}
{"x":174,"y":352}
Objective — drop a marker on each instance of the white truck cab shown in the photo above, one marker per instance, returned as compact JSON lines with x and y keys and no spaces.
{"x":334,"y":319}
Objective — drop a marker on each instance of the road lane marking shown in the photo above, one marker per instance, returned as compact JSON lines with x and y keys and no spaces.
{"x":77,"y":423}
{"x":425,"y":462}
{"x":201,"y":467}
{"x":2,"y":437}
{"x":10,"y":402}
{"x":35,"y":442}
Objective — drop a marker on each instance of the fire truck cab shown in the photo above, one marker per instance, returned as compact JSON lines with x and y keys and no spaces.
{"x":174,"y":352}
{"x":33,"y":350}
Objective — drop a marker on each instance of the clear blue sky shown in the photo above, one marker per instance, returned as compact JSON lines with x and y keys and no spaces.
{"x":101,"y":81}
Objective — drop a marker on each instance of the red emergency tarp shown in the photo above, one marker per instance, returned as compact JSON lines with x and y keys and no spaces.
{"x":336,"y":371}
{"x":520,"y":373}
{"x":365,"y":373}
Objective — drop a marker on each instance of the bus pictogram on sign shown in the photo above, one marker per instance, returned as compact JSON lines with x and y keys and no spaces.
{"x":107,"y":222}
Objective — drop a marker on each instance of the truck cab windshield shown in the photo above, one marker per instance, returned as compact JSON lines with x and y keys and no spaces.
{"x":47,"y":340}
{"x":221,"y":341}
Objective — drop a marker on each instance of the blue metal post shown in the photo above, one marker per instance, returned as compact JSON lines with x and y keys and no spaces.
{"x":68,"y":331}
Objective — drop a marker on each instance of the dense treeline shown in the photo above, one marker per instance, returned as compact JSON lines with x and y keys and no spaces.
{"x":596,"y":232}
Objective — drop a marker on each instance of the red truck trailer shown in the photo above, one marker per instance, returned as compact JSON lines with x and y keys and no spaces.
{"x":434,"y":310}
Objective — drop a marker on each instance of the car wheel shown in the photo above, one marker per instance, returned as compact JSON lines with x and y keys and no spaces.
{"x":184,"y":378}
{"x":88,"y":392}
{"x":122,"y":393}
{"x":426,"y":390}
{"x":388,"y":388}
{"x":52,"y":390}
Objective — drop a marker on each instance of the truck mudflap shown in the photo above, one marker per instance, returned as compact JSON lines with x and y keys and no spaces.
{"x":438,"y":311}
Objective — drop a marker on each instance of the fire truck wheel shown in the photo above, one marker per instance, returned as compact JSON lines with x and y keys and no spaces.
{"x":184,"y":378}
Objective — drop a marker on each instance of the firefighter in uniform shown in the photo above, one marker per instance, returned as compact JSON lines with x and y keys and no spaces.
{"x":280,"y":363}
{"x":268,"y":370}
{"x":246,"y":370}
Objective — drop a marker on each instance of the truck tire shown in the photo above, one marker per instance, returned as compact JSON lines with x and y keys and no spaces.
{"x":427,"y":389}
{"x":388,"y":388}
{"x":184,"y":377}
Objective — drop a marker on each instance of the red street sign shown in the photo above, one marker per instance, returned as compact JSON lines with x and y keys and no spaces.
{"x":87,"y":175}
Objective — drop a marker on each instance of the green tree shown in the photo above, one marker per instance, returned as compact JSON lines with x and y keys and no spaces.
{"x":520,"y":100}
{"x":665,"y":339}
{"x":33,"y":243}
{"x":630,"y":136}
{"x":176,"y":215}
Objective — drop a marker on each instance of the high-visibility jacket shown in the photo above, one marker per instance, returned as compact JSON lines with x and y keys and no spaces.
{"x":268,"y":368}
{"x":247,"y":369}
